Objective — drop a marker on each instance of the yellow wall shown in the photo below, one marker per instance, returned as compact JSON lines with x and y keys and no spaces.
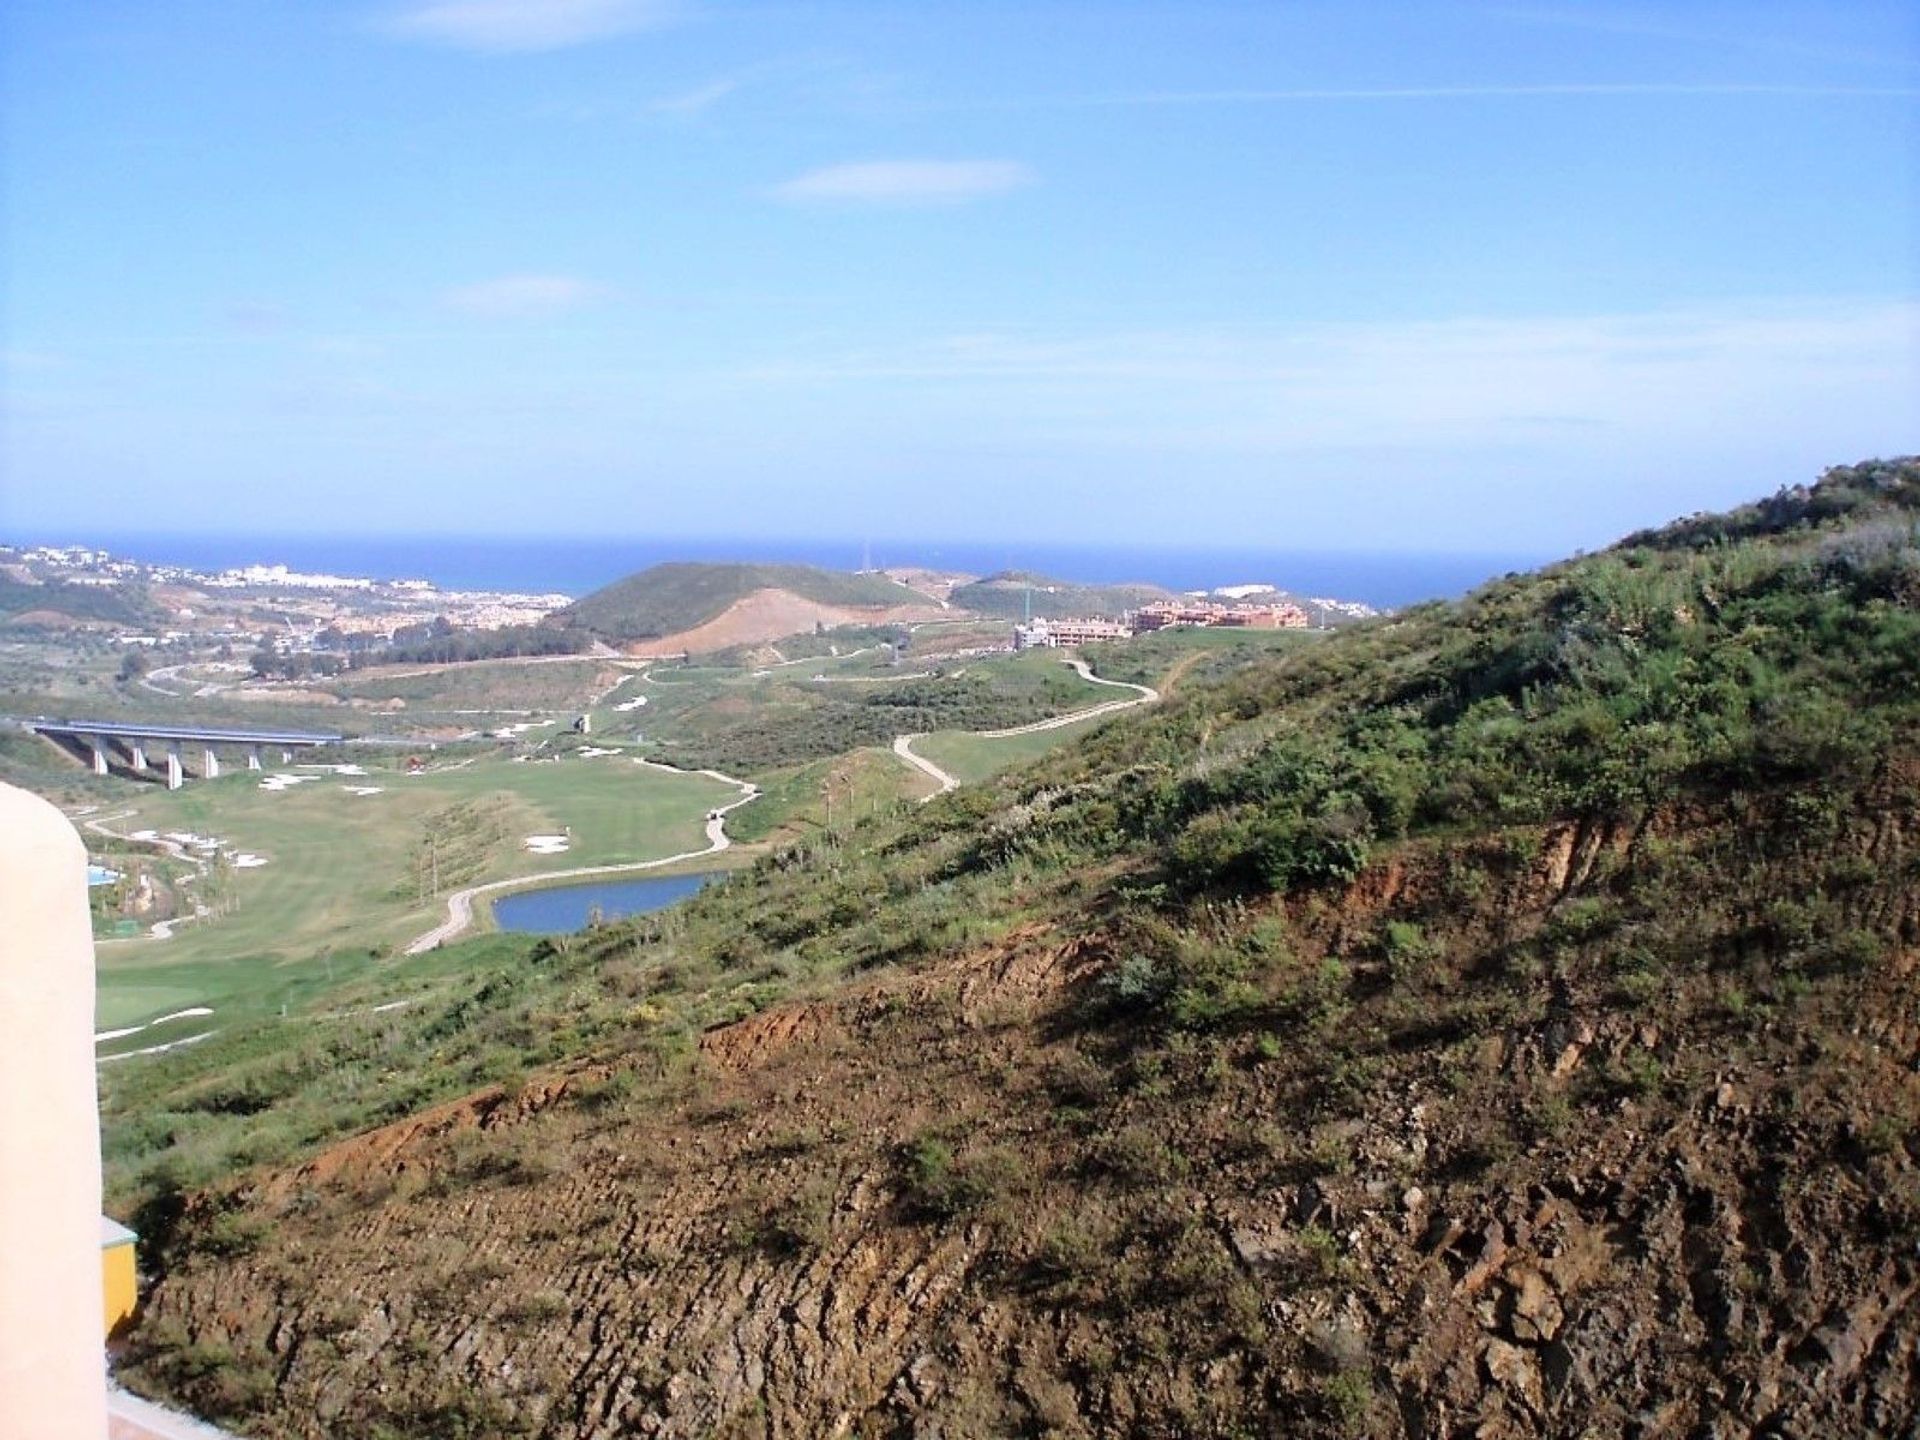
{"x":122,"y":1290}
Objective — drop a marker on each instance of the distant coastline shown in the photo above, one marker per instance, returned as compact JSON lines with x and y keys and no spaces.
{"x":576,"y":566}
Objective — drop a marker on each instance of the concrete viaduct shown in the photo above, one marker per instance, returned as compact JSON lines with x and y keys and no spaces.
{"x":98,"y":736}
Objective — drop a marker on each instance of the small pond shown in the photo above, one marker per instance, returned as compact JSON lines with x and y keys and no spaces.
{"x":562,"y":909}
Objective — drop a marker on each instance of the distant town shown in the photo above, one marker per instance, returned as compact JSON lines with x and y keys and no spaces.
{"x":295,"y":612}
{"x":1235,"y":613}
{"x":298,"y":607}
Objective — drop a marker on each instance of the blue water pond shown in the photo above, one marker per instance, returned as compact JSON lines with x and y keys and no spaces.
{"x":562,"y":909}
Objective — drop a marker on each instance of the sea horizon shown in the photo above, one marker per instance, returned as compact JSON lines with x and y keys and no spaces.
{"x":575,"y":566}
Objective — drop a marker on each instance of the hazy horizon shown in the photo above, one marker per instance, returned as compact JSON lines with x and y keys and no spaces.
{"x":577,"y":565}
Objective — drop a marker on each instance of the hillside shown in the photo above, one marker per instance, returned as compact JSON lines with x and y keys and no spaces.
{"x":1010,"y":592}
{"x":668,"y":601}
{"x":1493,"y":1020}
{"x":61,"y":605}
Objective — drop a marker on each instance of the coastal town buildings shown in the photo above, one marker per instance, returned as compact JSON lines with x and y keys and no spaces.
{"x":1090,"y":630}
{"x":1037,"y":634}
{"x":1281,"y":615}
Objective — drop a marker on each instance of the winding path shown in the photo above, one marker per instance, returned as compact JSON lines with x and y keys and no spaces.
{"x":903,"y":747}
{"x":1142,"y":695}
{"x":460,"y":902}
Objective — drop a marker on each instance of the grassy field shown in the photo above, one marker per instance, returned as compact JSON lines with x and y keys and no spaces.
{"x":795,"y":801}
{"x":341,"y":1022}
{"x":1191,"y":655}
{"x":350,"y":876}
{"x":760,"y":722}
{"x":971,"y":758}
{"x":348,"y":871}
{"x":486,"y":685}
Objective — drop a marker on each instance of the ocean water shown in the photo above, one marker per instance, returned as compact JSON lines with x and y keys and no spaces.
{"x":576,"y":566}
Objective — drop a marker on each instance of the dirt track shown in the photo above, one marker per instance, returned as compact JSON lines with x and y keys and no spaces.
{"x":1146,"y":695}
{"x":769,"y":615}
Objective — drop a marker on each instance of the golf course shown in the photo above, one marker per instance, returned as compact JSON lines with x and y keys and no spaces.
{"x":313,"y":862}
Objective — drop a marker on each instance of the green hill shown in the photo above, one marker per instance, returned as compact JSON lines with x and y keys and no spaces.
{"x":1010,"y":593}
{"x":126,"y":605}
{"x":669,"y":599}
{"x":1495,"y":1019}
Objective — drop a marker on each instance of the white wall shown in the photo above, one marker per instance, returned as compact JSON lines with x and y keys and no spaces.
{"x":52,"y":1377}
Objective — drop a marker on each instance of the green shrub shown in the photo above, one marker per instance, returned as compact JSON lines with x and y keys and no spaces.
{"x":937,"y":1184}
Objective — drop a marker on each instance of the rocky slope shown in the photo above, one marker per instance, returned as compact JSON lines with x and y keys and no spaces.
{"x":1499,"y":1022}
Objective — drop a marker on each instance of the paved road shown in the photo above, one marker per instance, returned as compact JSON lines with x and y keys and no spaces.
{"x":460,"y":903}
{"x":1143,"y":695}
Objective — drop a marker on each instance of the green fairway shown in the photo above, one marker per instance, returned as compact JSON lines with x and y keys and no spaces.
{"x":970,"y":758}
{"x":347,"y":871}
{"x":321,"y":879}
{"x":132,"y":996}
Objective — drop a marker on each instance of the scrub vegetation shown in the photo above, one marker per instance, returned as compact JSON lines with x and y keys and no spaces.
{"x":669,"y":599}
{"x":1495,"y":1018}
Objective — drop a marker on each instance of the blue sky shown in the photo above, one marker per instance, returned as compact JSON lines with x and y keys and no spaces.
{"x":1500,"y":278}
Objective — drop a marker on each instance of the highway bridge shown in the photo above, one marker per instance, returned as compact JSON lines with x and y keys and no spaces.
{"x":135,"y":738}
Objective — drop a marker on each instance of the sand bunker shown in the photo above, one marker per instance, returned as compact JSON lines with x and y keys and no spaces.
{"x":192,"y":1012}
{"x":594,"y":751}
{"x":281,"y":780}
{"x":514,"y":732}
{"x":363,"y":789}
{"x":633,"y":704}
{"x":247,"y":860}
{"x":161,"y":1049}
{"x":548,"y":844}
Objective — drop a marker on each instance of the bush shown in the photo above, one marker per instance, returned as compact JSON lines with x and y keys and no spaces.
{"x":1138,"y":1156}
{"x":937,"y":1184}
{"x":1406,"y":948}
{"x":234,"y":1232}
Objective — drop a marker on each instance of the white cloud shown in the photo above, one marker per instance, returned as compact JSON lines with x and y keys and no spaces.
{"x":1842,"y":369}
{"x":501,"y":26}
{"x":907,"y":182}
{"x":521,"y":296}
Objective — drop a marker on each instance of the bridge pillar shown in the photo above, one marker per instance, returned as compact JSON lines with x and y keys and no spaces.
{"x":99,"y":749}
{"x":253,"y":757}
{"x":175,"y":776}
{"x":137,"y":750}
{"x":209,"y":764}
